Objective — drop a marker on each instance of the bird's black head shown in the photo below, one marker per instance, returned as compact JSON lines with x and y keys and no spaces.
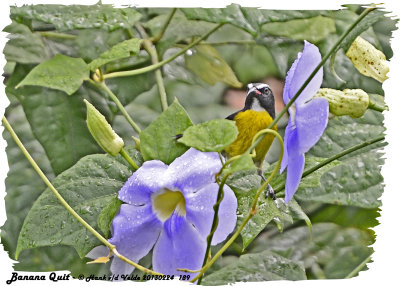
{"x":260,"y":98}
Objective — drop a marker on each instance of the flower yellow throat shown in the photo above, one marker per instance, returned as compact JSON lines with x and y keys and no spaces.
{"x":250,"y":122}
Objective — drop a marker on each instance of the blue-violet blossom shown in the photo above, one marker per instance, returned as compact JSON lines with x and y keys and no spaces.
{"x":308,"y":116}
{"x":170,"y":208}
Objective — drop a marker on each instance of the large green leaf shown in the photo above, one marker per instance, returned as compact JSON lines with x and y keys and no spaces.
{"x":57,"y":121}
{"x":232,"y":14}
{"x":87,"y":187}
{"x":210,"y":136}
{"x":263,"y":266}
{"x":266,"y":211}
{"x":60,"y":72}
{"x":121,"y":50}
{"x":23,"y":45}
{"x":104,"y":41}
{"x":248,"y":19}
{"x":284,"y":52}
{"x":72,"y":17}
{"x":207,"y":64}
{"x":357,"y":181}
{"x":23,"y":185}
{"x":157,"y":141}
{"x":255,"y":62}
{"x":335,"y":251}
{"x":129,"y":87}
{"x":310,"y":29}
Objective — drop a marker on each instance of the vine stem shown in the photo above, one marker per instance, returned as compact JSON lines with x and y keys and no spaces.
{"x":64,"y":202}
{"x":128,"y":158}
{"x":48,"y":34}
{"x":114,"y":98}
{"x":214,"y":224}
{"x":164,"y":28}
{"x":314,"y":72}
{"x":252,"y":211}
{"x":334,"y":157}
{"x":160,"y":64}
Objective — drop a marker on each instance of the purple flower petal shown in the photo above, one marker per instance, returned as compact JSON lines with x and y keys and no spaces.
{"x":150,"y":177}
{"x":135,"y":231}
{"x":194,"y":169}
{"x":98,"y":251}
{"x":290,"y":132}
{"x":183,"y":248}
{"x":311,"y":121}
{"x":288,"y":80}
{"x":200,"y":212}
{"x":301,"y":69}
{"x":293,"y":175}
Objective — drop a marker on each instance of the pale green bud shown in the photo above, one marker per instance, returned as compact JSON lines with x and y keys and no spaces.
{"x":102,"y":131}
{"x":352,"y":102}
{"x":368,"y":60}
{"x":137,"y":143}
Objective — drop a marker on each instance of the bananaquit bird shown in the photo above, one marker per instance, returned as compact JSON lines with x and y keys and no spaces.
{"x":257,"y":114}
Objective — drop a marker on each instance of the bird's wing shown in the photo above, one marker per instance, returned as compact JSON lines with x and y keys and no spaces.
{"x":232,"y":116}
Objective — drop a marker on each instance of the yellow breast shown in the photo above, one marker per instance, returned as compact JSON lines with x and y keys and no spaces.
{"x":250,"y":122}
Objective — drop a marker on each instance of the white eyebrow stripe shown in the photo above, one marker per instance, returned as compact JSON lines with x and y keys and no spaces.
{"x":262,"y":85}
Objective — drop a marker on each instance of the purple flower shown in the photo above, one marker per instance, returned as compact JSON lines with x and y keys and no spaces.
{"x":308,"y":116}
{"x":170,"y":209}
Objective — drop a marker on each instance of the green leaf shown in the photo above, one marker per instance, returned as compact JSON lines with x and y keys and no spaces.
{"x":311,"y":29}
{"x":326,"y":251}
{"x":248,"y":19}
{"x":71,"y":17}
{"x":254,"y":63}
{"x":358,"y":180}
{"x":24,"y":46}
{"x":210,"y":136}
{"x":244,"y":162}
{"x":21,"y":194}
{"x":23,"y":185}
{"x":346,"y":261}
{"x":207,"y":64}
{"x":61,"y":72}
{"x":232,"y":14}
{"x":88,"y":187}
{"x":157,"y":141}
{"x":284,"y":52}
{"x":292,"y":212}
{"x":266,"y":211}
{"x":107,"y":214}
{"x":57,"y":121}
{"x":348,"y":216}
{"x":122,"y":50}
{"x":263,"y":266}
{"x":103,"y":40}
{"x":129,"y":87}
{"x":179,"y":29}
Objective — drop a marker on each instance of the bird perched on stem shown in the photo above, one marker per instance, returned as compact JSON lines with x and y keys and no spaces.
{"x":257,"y":114}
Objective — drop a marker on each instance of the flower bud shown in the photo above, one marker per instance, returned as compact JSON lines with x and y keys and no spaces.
{"x":102,"y":132}
{"x":368,"y":60}
{"x":352,"y":102}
